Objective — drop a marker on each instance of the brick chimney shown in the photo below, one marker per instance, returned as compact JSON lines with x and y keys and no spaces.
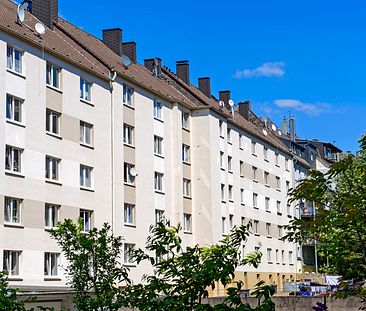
{"x":154,"y":65}
{"x":112,"y":38}
{"x":46,"y":11}
{"x":182,"y":70}
{"x":225,"y":97}
{"x":204,"y":85}
{"x":292,"y":129}
{"x":244,"y":109}
{"x":129,"y":49}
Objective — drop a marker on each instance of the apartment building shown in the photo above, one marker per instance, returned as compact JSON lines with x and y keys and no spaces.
{"x":86,"y":135}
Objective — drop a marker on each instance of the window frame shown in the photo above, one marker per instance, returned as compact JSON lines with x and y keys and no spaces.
{"x":159,"y":182}
{"x":128,"y":96}
{"x":87,"y":219}
{"x":51,"y":218}
{"x":52,"y":258}
{"x":187,"y":189}
{"x":128,"y":178}
{"x":185,"y":120}
{"x":158,"y":110}
{"x":86,"y":127}
{"x":12,"y":167}
{"x":158,"y":145}
{"x":84,"y":169}
{"x":186,"y":154}
{"x":8,"y":262}
{"x":128,"y":134}
{"x":129,"y":214}
{"x":128,"y":249}
{"x":52,"y":165}
{"x":9,"y":209}
{"x":86,"y":90}
{"x":51,"y":116}
{"x":187,"y":223}
{"x":12,"y":67}
{"x":51,"y":69}
{"x":10,"y":110}
{"x":255,"y":200}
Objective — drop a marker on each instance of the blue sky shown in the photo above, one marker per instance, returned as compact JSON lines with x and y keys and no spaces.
{"x":304,"y":56}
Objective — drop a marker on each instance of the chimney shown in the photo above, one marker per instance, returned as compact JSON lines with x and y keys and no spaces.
{"x":154,"y":66}
{"x":204,"y":85}
{"x":244,"y":109}
{"x":112,"y":38}
{"x":225,"y":97}
{"x":292,"y":129}
{"x":284,"y":126}
{"x":46,"y":11}
{"x":182,"y":70}
{"x":129,"y":49}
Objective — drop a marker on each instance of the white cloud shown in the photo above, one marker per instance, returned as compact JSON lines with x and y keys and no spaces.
{"x":270,"y":69}
{"x":312,"y":109}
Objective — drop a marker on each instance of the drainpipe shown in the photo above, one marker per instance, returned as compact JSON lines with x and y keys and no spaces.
{"x":113,"y":75}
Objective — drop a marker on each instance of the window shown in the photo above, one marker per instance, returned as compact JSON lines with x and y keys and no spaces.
{"x":129,"y":176}
{"x":286,"y":164}
{"x":287,"y":186}
{"x":253,"y":147}
{"x":221,"y":126}
{"x":267,"y":204}
{"x":51,"y":215}
{"x":241,"y":168}
{"x":187,"y":222}
{"x":158,"y":145}
{"x":86,"y":217}
{"x":254,"y":173}
{"x":268,"y":229}
{"x":12,"y":210}
{"x":222,"y":165}
{"x":85,"y":90}
{"x":255,"y":226}
{"x":278,"y":207}
{"x":52,"y":168}
{"x":14,"y":59}
{"x":229,"y":160}
{"x":53,"y":122}
{"x":223,"y":225}
{"x":13,"y":159}
{"x":223,"y":193}
{"x":14,"y":108}
{"x":257,"y":249}
{"x":185,"y":120}
{"x":186,"y":187}
{"x":229,"y":135}
{"x":159,"y":216}
{"x":255,"y":200}
{"x":53,"y":75}
{"x":266,"y":178}
{"x":11,"y":262}
{"x":242,"y":196}
{"x":185,"y":153}
{"x":158,"y":181}
{"x":51,"y":264}
{"x":283,"y":256}
{"x":278,"y":183}
{"x":288,"y":210}
{"x":86,"y":176}
{"x":231,"y":221}
{"x":290,"y":258}
{"x":231,"y":196}
{"x":280,"y":232}
{"x":265,"y":153}
{"x":240,"y":141}
{"x":127,"y":134}
{"x":128,"y":253}
{"x":86,"y":133}
{"x":127,"y":96}
{"x":277,"y":159}
{"x":277,"y":256}
{"x":129,"y":214}
{"x":269,"y":254}
{"x":157,"y":110}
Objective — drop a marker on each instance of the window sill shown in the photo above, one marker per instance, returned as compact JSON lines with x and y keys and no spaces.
{"x":283,"y":264}
{"x":256,"y":234}
{"x":268,"y":186}
{"x":14,"y":278}
{"x":159,"y":155}
{"x":159,"y":192}
{"x":53,"y":182}
{"x":268,"y":211}
{"x":129,"y":145}
{"x":159,"y":120}
{"x":187,"y":197}
{"x":223,"y":201}
{"x":186,"y":163}
{"x":255,"y":207}
{"x":129,"y":225}
{"x":279,"y":213}
{"x":129,"y":106}
{"x":221,"y":136}
{"x":48,"y":229}
{"x":54,"y":135}
{"x":50,"y":278}
{"x":129,"y":185}
{"x":230,"y":172}
{"x":241,"y":148}
{"x":278,"y":189}
{"x":277,"y":165}
{"x":20,"y":124}
{"x":86,"y":102}
{"x":291,"y":264}
{"x":14,"y":174}
{"x":254,"y":155}
{"x":86,"y":189}
{"x":269,"y":237}
{"x":270,"y":262}
{"x":287,"y":170}
{"x":187,"y":232}
{"x":54,"y":88}
{"x":266,"y":160}
{"x":19,"y":74}
{"x":87,"y":146}
{"x":221,"y":168}
{"x":231,"y":201}
{"x":13,"y":225}
{"x":241,"y":175}
{"x":289,"y":216}
{"x":255,"y":180}
{"x":242,"y":204}
{"x":130,"y":265}
{"x":230,"y":142}
{"x":186,"y":129}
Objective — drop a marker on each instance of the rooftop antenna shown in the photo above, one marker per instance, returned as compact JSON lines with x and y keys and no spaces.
{"x":20,"y":13}
{"x":126,"y":61}
{"x":40,"y":29}
{"x":222,"y":104}
{"x":231,"y":104}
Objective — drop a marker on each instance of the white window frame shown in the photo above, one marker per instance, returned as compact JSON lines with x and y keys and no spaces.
{"x":11,"y":55}
{"x":187,"y":222}
{"x":222,"y":165}
{"x":186,"y":153}
{"x":266,"y":178}
{"x":128,"y":131}
{"x":51,"y":262}
{"x":228,"y":135}
{"x":265,"y":153}
{"x":241,"y":168}
{"x":84,"y":172}
{"x":11,"y":153}
{"x":12,"y":262}
{"x":53,"y":75}
{"x":87,"y":219}
{"x":223,"y":196}
{"x":128,"y":178}
{"x":86,"y":90}
{"x":278,"y":207}
{"x":255,"y":226}
{"x":128,"y":249}
{"x":86,"y":133}
{"x":14,"y":104}
{"x":129,"y":214}
{"x":254,"y":173}
{"x":51,"y":215}
{"x":277,"y":158}
{"x":269,"y":254}
{"x":277,"y":256}
{"x":185,"y":120}
{"x":240,"y":141}
{"x":158,"y":145}
{"x":291,"y":257}
{"x":229,"y":163}
{"x":242,"y":196}
{"x":255,"y":200}
{"x":221,"y":128}
{"x":159,"y":182}
{"x":223,"y":225}
{"x":267,"y":204}
{"x":268,"y":229}
{"x":231,"y":193}
{"x":287,"y":162}
{"x":278,"y":183}
{"x":127,"y":96}
{"x":13,"y":211}
{"x":52,"y":169}
{"x":159,"y":216}
{"x":158,"y":110}
{"x":254,"y":147}
{"x":53,"y":121}
{"x":231,"y":221}
{"x":280,"y":232}
{"x":186,"y":188}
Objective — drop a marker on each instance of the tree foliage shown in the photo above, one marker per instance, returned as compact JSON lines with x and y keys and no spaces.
{"x":339,"y":226}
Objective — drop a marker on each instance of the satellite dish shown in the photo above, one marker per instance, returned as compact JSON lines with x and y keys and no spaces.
{"x":279,"y":133}
{"x":265,"y":132}
{"x":221,"y":103}
{"x":20,"y":13}
{"x":126,"y":61}
{"x":133,"y":172}
{"x":40,"y":28}
{"x":231,"y":103}
{"x":274,"y":128}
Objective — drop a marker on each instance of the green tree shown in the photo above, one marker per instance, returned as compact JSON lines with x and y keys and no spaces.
{"x":182,"y":278}
{"x":339,"y":226}
{"x":94,"y":265}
